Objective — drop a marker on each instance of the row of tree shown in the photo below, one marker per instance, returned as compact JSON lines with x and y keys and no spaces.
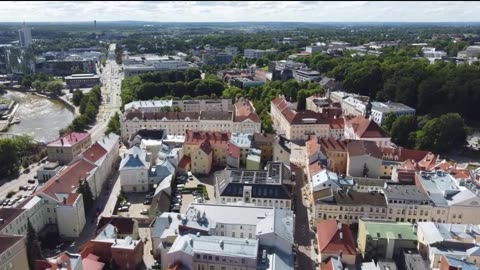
{"x":151,"y":86}
{"x":89,"y":105}
{"x":17,"y":151}
{"x":396,"y":76}
{"x":440,"y":134}
{"x":42,"y":82}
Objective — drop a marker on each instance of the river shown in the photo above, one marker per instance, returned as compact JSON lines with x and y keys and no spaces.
{"x":40,"y":117}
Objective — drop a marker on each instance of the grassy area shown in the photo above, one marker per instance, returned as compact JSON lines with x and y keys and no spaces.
{"x":472,"y":167}
{"x":4,"y":100}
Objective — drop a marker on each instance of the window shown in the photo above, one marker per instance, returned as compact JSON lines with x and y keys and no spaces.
{"x":233,"y":234}
{"x":212,"y":267}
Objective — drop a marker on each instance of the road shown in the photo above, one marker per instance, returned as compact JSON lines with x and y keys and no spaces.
{"x":14,"y":184}
{"x":111,"y":79}
{"x":303,"y":234}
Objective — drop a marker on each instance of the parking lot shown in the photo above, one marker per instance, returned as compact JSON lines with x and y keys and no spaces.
{"x":19,"y":196}
{"x":207,"y":181}
{"x":136,"y":205}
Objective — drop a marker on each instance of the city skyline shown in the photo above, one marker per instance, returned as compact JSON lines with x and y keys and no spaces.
{"x":238,"y":11}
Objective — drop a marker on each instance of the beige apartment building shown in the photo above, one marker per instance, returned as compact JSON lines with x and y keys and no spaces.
{"x":66,"y":148}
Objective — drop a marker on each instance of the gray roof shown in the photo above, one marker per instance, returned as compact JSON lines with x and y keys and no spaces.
{"x":327,"y":178}
{"x":390,"y":107}
{"x":148,"y":104}
{"x":460,"y":264}
{"x":216,"y":245}
{"x":414,"y":259}
{"x":406,"y":193}
{"x":441,"y":232}
{"x":277,"y":261}
{"x":279,"y":222}
{"x":109,"y":141}
{"x":439,"y":186}
{"x":135,"y":158}
{"x":223,"y":213}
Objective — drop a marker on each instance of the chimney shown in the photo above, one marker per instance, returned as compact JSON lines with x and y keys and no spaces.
{"x":64,"y":200}
{"x":465,"y":230}
{"x":450,"y":227}
{"x":61,"y":141}
{"x":341,"y":235}
{"x":221,"y":244}
{"x":340,"y":255}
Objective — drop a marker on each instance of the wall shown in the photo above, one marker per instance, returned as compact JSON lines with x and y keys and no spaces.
{"x":15,"y":257}
{"x":356,"y":164}
{"x":134,"y":180}
{"x":72,"y":219}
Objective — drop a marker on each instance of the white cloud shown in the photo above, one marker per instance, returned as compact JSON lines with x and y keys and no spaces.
{"x":226,"y":11}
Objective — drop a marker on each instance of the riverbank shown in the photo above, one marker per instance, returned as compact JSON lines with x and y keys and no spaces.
{"x":4,"y":124}
{"x":42,"y":116}
{"x":65,"y":102}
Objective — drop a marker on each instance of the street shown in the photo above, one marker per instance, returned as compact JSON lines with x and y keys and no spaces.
{"x":303,"y":234}
{"x":111,"y":79}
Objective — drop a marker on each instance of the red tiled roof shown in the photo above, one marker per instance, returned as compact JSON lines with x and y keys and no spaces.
{"x":301,"y":115}
{"x":314,"y":168}
{"x":71,"y":198}
{"x":94,"y":152}
{"x":43,"y":265}
{"x":124,"y":225}
{"x":428,"y":162}
{"x":443,"y":166}
{"x":365,"y":128}
{"x":233,"y":150}
{"x":336,"y":123}
{"x":402,"y":154}
{"x":312,"y":146}
{"x":332,"y":144}
{"x":184,"y":162}
{"x":360,"y":148}
{"x":329,"y":242}
{"x":460,"y":173}
{"x":206,"y":147}
{"x":70,"y":139}
{"x":69,"y":177}
{"x":92,"y":265}
{"x":244,"y":111}
{"x":198,"y":137}
{"x":174,"y":266}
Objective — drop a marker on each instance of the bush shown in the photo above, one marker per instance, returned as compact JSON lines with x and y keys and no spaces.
{"x":10,"y":194}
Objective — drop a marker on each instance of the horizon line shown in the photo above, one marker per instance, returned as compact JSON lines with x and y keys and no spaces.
{"x":140,"y":21}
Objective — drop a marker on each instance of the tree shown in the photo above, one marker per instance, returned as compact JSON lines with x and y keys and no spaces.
{"x":84,"y":189}
{"x":177,"y":109}
{"x":3,"y":89}
{"x":365,"y":170}
{"x":54,"y":87}
{"x":302,"y":100}
{"x":113,"y":125}
{"x":387,"y":123}
{"x":77,"y":97}
{"x":33,"y":246}
{"x":442,"y":134}
{"x":402,"y":129}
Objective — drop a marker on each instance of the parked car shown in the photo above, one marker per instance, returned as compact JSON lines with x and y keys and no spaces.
{"x":123,"y":209}
{"x":180,"y":186}
{"x":147,"y":202}
{"x":144,"y":212}
{"x":177,"y":204}
{"x":149,"y":196}
{"x":125,"y":203}
{"x":156,"y":265}
{"x":175,"y":209}
{"x":5,"y":203}
{"x":12,"y":202}
{"x":31,"y":181}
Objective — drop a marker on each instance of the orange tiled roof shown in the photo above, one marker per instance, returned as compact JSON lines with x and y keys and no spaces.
{"x":328,"y":236}
{"x":94,"y":152}
{"x":365,"y":128}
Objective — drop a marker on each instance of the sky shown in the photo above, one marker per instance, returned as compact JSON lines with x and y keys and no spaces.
{"x":238,"y":11}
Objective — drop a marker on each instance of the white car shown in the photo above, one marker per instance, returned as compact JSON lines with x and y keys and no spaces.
{"x":144,"y":212}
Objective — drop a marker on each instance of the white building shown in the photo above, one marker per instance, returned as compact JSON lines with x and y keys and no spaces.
{"x":432,"y":54}
{"x":134,"y":171}
{"x":269,"y":187}
{"x":25,"y":36}
{"x":137,"y":64}
{"x":231,"y":50}
{"x":213,"y":252}
{"x":381,"y":109}
{"x":304,"y":75}
{"x":218,"y":105}
{"x":316,"y":47}
{"x":13,"y":252}
{"x":254,"y":53}
{"x":176,"y":123}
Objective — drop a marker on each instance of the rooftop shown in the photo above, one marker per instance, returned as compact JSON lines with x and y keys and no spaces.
{"x":242,"y":140}
{"x":365,"y":128}
{"x":413,"y":258}
{"x":70,"y":139}
{"x":124,"y":225}
{"x":441,"y":232}
{"x":390,"y":229}
{"x":405,"y":193}
{"x":439,"y":186}
{"x":334,"y":237}
{"x":360,"y":198}
{"x":216,"y":245}
{"x":390,"y":107}
{"x":364,"y":148}
{"x":7,"y":241}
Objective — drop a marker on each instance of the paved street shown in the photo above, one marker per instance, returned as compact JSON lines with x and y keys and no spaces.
{"x":14,"y":184}
{"x":111,"y":79}
{"x":303,"y":234}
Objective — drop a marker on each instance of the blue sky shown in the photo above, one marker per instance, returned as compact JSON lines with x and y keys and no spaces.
{"x":227,"y":11}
